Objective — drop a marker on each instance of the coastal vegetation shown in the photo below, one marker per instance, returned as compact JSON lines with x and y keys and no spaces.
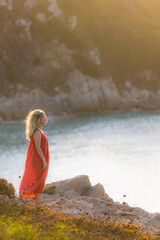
{"x":6,"y":188}
{"x":30,"y":223}
{"x":25,"y":222}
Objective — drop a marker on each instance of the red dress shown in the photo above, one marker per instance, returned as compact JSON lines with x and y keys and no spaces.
{"x":33,"y":180}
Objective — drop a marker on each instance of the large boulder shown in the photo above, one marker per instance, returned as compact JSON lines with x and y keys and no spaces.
{"x":95,"y":191}
{"x":79,"y":184}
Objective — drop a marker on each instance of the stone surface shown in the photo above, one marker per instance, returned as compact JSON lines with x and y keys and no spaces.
{"x":8,"y":4}
{"x":79,"y":184}
{"x":72,"y":21}
{"x":69,"y":202}
{"x":94,"y":55}
{"x":30,"y":3}
{"x":17,"y":107}
{"x":54,"y":9}
{"x":7,"y":200}
{"x":155,"y":220}
{"x":41,"y":17}
{"x":95,"y":191}
{"x":140,"y":212}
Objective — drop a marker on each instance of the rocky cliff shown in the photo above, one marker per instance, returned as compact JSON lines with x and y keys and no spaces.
{"x":72,"y":56}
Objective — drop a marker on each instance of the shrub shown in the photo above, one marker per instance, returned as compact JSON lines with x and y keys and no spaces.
{"x":6,"y":188}
{"x":10,"y":229}
{"x":50,"y":189}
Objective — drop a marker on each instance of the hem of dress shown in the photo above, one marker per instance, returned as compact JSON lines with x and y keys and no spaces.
{"x":28,"y":196}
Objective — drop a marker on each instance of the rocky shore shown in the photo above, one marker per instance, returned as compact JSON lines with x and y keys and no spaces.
{"x":77,"y":197}
{"x":86,"y":98}
{"x":87,"y":69}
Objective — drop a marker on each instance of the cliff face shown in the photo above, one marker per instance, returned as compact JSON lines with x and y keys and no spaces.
{"x":76,"y":56}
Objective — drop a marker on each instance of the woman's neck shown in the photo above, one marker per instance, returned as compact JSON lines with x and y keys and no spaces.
{"x":40,"y":129}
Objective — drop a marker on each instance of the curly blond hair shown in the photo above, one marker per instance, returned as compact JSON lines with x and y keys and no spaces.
{"x":32,"y":121}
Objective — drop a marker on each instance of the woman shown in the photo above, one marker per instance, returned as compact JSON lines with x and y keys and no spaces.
{"x":37,"y":161}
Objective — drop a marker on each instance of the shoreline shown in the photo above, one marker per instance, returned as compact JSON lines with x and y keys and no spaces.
{"x":71,"y":116}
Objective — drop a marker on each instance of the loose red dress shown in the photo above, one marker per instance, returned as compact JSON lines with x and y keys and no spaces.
{"x":33,"y":180}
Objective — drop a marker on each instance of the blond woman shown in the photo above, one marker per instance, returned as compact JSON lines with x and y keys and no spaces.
{"x":37,"y":160}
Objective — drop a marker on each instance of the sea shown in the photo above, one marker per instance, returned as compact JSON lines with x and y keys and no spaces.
{"x":119,"y":150}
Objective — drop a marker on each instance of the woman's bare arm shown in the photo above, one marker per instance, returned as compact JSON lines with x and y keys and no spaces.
{"x":37,"y":139}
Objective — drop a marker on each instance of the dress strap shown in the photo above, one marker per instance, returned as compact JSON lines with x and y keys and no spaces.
{"x":40,"y":130}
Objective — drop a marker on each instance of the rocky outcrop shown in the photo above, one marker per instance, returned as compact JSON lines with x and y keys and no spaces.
{"x":71,"y":200}
{"x":155,"y":220}
{"x":78,"y":184}
{"x":90,"y":93}
{"x":76,"y":197}
{"x":103,"y":94}
{"x":16,"y":108}
{"x":87,"y":95}
{"x":95,"y":191}
{"x":8,"y":4}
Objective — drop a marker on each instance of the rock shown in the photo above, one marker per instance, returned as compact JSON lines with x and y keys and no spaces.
{"x":94,"y":55}
{"x":30,"y":3}
{"x":72,"y":21}
{"x":88,"y":93}
{"x":140,"y":212}
{"x":26,"y":24}
{"x":18,"y":107}
{"x":95,"y":191}
{"x":155,"y":220}
{"x":76,"y":197}
{"x":79,"y":184}
{"x":106,"y":196}
{"x":54,"y":9}
{"x":8,"y":4}
{"x":7,"y":200}
{"x":71,"y":194}
{"x":4,"y":197}
{"x":41,"y":17}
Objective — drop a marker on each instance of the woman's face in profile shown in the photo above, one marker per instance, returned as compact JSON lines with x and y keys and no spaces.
{"x":44,"y":119}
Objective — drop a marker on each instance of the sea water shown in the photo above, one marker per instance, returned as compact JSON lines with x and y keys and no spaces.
{"x":120,"y":151}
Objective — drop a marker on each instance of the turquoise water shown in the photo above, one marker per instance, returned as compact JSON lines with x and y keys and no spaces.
{"x":120,"y":151}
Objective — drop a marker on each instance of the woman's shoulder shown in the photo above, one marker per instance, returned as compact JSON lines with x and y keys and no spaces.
{"x":37,"y":133}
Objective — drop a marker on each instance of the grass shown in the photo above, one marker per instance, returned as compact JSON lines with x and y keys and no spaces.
{"x":29,"y":223}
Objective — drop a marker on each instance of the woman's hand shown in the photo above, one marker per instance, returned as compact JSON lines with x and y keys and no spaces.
{"x":44,"y":165}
